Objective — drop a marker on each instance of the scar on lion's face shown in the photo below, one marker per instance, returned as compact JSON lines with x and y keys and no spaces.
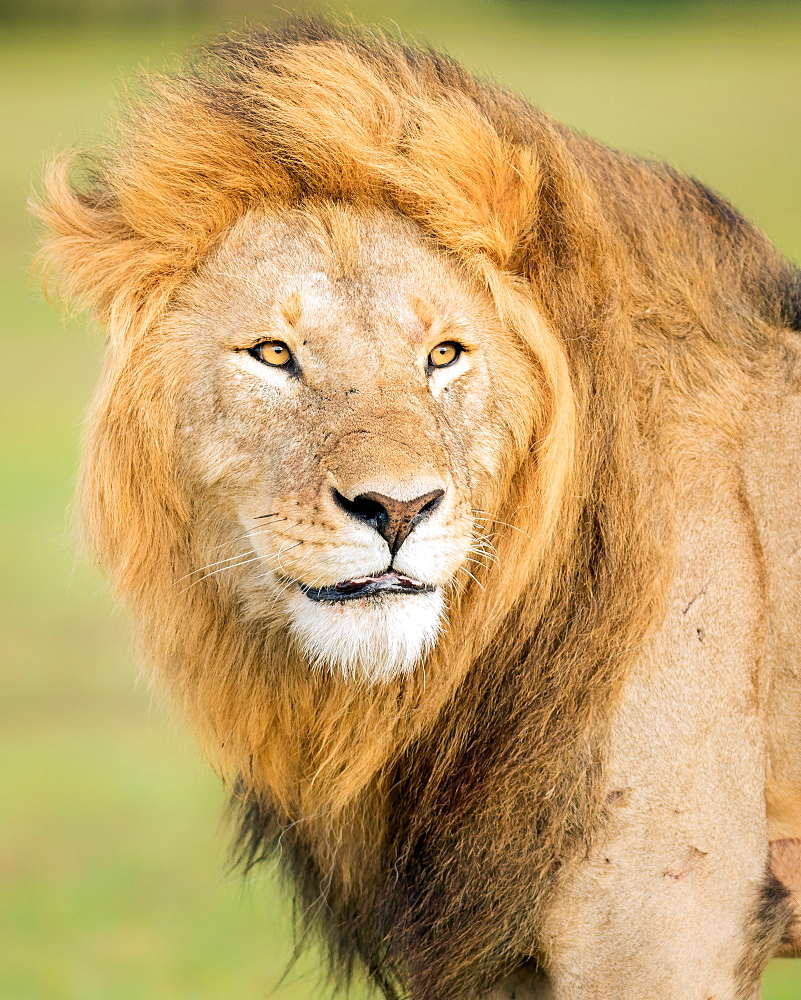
{"x":360,"y":427}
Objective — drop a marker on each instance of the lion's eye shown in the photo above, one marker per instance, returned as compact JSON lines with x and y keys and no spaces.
{"x":272,"y":352}
{"x":444,"y":354}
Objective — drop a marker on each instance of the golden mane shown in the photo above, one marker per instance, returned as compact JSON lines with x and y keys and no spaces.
{"x":497,"y":749}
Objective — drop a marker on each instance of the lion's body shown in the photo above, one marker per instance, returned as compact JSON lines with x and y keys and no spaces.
{"x":562,"y":759}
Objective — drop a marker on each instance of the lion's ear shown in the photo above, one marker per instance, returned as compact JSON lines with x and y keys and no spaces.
{"x":123,"y":237}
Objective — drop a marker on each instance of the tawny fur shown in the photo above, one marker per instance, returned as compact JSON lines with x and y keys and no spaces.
{"x":660,"y":305}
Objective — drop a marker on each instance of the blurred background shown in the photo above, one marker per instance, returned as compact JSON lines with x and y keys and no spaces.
{"x":113,"y":880}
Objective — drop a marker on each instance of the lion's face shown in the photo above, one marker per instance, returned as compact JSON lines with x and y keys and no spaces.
{"x":344,"y":415}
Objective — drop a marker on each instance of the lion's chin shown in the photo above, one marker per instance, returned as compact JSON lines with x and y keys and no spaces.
{"x":374,"y":639}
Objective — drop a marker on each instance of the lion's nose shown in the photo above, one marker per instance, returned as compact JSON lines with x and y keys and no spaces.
{"x":393,"y":519}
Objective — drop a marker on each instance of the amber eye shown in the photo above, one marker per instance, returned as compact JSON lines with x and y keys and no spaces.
{"x":272,"y":352}
{"x":444,"y":354}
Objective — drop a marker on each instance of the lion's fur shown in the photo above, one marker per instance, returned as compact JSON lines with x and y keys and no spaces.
{"x":399,"y":807}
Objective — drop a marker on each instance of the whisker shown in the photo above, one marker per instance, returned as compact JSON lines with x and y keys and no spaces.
{"x":219,"y":562}
{"x":290,"y":583}
{"x":243,"y":557}
{"x":245,"y":534}
{"x":463,"y":569}
{"x":477,"y":562}
{"x":279,"y":593}
{"x":483,"y":552}
{"x":483,"y":539}
{"x":281,"y":552}
{"x":493,"y":517}
{"x":252,"y":532}
{"x":222,"y":569}
{"x":248,"y":534}
{"x":506,"y":524}
{"x":486,"y":553}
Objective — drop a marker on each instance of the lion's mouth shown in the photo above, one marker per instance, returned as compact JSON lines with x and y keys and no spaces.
{"x":389,"y":582}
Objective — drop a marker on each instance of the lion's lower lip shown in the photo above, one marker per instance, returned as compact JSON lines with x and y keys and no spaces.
{"x":368,"y":586}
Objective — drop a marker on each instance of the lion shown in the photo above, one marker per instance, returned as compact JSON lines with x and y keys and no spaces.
{"x":447,"y":462}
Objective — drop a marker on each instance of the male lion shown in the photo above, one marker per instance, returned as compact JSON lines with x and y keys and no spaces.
{"x":447,"y":461}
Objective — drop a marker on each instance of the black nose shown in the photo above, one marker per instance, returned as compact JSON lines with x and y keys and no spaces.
{"x":392,"y":519}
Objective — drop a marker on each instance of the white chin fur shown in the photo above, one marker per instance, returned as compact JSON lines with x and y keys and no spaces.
{"x":376,"y":639}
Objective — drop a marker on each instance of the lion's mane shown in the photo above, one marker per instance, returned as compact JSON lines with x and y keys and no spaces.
{"x":424,"y":821}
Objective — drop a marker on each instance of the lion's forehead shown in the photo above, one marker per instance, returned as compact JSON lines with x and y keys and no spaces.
{"x":321,"y":299}
{"x":386,"y":272}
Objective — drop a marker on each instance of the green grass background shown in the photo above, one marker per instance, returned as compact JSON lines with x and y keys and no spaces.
{"x":113,"y":883}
